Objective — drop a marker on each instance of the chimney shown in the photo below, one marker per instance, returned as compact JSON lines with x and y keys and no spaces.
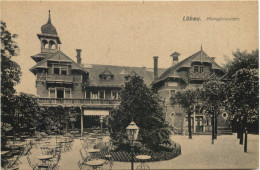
{"x":155,"y":59}
{"x":175,"y":58}
{"x":212,"y":58}
{"x":78,"y":56}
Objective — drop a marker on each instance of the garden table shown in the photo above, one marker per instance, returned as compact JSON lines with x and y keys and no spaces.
{"x":29,"y":139}
{"x":143,"y":158}
{"x":17,"y":145}
{"x":96,"y":163}
{"x":92,"y":151}
{"x":4,"y":152}
{"x":44,"y":158}
{"x":25,"y":136}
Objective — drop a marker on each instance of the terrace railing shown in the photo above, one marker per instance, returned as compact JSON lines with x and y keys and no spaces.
{"x":54,"y":101}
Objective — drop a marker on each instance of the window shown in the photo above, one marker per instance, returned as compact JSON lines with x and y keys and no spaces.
{"x":102,"y":94}
{"x":114,"y":94}
{"x":67,"y":93}
{"x":60,"y":93}
{"x":56,"y":70}
{"x":63,"y":71}
{"x":87,"y":94}
{"x":108,"y":78}
{"x":94,"y":95}
{"x":173,"y":84}
{"x":172,"y":93}
{"x":52,"y":93}
{"x":201,"y":69}
{"x":196,"y":69}
{"x":44,"y":42}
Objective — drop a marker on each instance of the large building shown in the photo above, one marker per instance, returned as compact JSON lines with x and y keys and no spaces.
{"x":189,"y":73}
{"x":95,"y":88}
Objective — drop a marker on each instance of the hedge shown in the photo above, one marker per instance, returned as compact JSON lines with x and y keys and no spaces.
{"x":123,"y":156}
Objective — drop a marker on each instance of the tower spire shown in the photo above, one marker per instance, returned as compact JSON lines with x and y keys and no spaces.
{"x":49,"y":20}
{"x":201,"y":47}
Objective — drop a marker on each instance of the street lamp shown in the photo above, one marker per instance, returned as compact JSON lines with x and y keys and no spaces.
{"x":101,"y":123}
{"x":132,"y":133}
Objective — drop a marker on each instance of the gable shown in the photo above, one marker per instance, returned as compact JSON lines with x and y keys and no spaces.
{"x":58,"y":56}
{"x":200,"y":56}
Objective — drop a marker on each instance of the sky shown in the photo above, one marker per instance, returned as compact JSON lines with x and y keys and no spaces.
{"x":131,"y":33}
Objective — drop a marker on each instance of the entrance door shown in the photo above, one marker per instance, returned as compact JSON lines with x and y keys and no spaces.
{"x":60,"y":93}
{"x":199,"y":126}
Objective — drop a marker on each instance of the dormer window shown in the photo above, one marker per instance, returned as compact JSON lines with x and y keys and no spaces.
{"x":196,"y":69}
{"x":60,"y":69}
{"x":201,"y":69}
{"x":64,"y":71}
{"x":56,"y":70}
{"x":106,"y":75}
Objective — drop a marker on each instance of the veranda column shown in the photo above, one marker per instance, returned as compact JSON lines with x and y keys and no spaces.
{"x":203,"y":122}
{"x":194,"y":122}
{"x":81,"y":122}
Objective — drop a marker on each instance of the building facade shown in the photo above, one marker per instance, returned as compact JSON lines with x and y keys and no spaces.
{"x":189,"y":73}
{"x":60,"y":81}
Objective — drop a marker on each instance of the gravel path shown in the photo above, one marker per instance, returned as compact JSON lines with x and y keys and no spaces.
{"x":197,"y":153}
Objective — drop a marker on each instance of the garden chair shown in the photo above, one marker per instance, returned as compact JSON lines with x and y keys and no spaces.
{"x":34,"y":167}
{"x":11,"y":164}
{"x":108,"y":156}
{"x":27,"y":149}
{"x":55,"y":162}
{"x":83,"y":143}
{"x":80,"y":165}
{"x":84,"y":157}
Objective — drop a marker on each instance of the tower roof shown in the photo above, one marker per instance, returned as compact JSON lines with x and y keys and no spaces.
{"x":48,"y":28}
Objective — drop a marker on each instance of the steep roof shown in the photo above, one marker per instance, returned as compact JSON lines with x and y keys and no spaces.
{"x":199,"y":56}
{"x":119,"y":73}
{"x":58,"y":56}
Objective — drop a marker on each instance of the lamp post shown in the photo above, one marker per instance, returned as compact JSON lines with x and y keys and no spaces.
{"x":132,"y":133}
{"x":101,"y":123}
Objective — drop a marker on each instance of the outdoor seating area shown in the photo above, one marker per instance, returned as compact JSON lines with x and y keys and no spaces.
{"x":41,"y":151}
{"x":95,"y":153}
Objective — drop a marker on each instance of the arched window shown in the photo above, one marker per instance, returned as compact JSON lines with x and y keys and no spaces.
{"x":52,"y":45}
{"x":44,"y":43}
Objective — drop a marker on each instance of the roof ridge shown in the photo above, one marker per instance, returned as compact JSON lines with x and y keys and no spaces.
{"x":116,"y":66}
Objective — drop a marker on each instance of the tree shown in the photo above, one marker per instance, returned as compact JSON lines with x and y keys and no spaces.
{"x":243,"y":97}
{"x":243,"y":60}
{"x":140,"y":104}
{"x":249,"y":63}
{"x":188,"y":99}
{"x":26,"y":112}
{"x":10,"y":72}
{"x":213,"y":96}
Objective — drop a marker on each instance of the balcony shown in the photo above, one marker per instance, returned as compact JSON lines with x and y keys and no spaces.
{"x":78,"y":102}
{"x":200,"y":76}
{"x":56,"y":78}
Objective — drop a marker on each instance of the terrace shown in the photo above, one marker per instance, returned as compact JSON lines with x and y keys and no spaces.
{"x":78,"y":102}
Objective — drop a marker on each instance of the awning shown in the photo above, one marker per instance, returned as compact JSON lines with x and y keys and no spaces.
{"x":96,"y":112}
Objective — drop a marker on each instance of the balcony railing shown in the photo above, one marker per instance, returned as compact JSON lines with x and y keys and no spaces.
{"x":54,"y":77}
{"x":64,"y":78}
{"x":53,"y":101}
{"x":200,"y":76}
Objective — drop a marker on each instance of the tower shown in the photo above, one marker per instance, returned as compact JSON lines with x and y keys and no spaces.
{"x":49,"y":40}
